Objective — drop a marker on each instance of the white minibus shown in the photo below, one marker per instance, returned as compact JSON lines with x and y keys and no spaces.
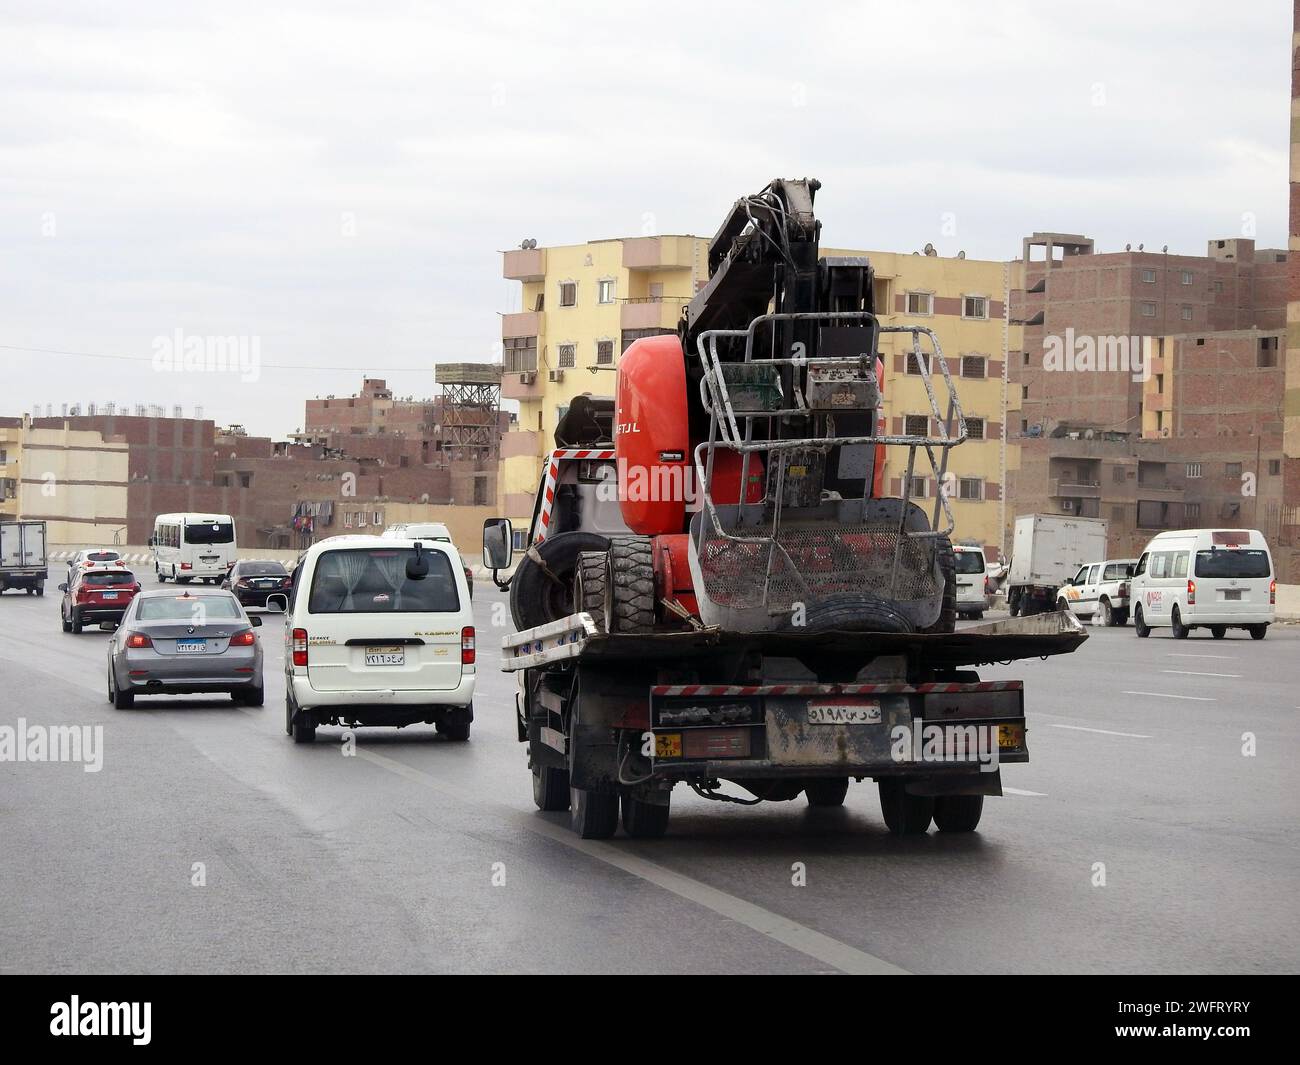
{"x":190,"y":547}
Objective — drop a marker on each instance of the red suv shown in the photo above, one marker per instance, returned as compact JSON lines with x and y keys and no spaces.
{"x":96,"y":595}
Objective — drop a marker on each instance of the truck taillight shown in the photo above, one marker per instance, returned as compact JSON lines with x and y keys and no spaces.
{"x":1123,"y":589}
{"x":467,"y":645}
{"x":186,"y":565}
{"x":138,"y":640}
{"x":1272,"y":592}
{"x":300,"y":647}
{"x":244,"y":639}
{"x":1191,"y":592}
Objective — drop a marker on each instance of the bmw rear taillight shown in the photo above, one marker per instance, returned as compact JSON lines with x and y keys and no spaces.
{"x":467,"y":645}
{"x":300,"y":647}
{"x":1272,"y":592}
{"x":1191,"y":592}
{"x":138,"y":640}
{"x":243,"y":639}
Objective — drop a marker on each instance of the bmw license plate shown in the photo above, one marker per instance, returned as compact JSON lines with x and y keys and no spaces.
{"x":386,"y":656}
{"x":191,"y":647}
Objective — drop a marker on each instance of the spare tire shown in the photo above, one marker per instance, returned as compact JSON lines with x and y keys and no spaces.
{"x":536,"y":598}
{"x":853,"y":612}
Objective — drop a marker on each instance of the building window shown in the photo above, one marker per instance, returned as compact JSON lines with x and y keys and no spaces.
{"x":1026,"y":359}
{"x":348,"y":519}
{"x":974,"y":307}
{"x":915,"y":362}
{"x":974,"y":366}
{"x":1267,"y":357}
{"x":1191,"y":512}
{"x":1274,"y":467}
{"x":920,"y":303}
{"x":1187,"y":277}
{"x":1148,"y":310}
{"x":1186,"y":312}
{"x":974,"y":428}
{"x":377,"y":518}
{"x":520,"y":354}
{"x":566,"y":355}
{"x":970,"y":488}
{"x":918,"y":488}
{"x":1232,"y":469}
{"x":568,"y":293}
{"x":1148,"y":277}
{"x":916,"y":425}
{"x":1193,"y":470}
{"x":1218,"y":286}
{"x":604,"y":352}
{"x":605,"y":291}
{"x":362,"y":520}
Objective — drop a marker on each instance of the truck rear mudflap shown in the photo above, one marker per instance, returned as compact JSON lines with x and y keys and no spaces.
{"x":934,"y":730}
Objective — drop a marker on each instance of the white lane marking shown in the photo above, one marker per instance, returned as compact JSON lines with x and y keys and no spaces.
{"x":1176,"y":654}
{"x":781,"y":929}
{"x":1100,"y":732}
{"x":1166,"y":695}
{"x":1192,"y":673}
{"x":1018,"y":791}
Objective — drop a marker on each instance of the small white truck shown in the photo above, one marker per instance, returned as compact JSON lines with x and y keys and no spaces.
{"x":1047,"y":550}
{"x":22,"y":556}
{"x":1099,"y":591}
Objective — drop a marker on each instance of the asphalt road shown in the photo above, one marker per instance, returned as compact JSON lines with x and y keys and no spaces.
{"x":209,"y":842}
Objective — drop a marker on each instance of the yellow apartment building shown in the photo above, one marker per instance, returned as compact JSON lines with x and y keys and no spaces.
{"x":581,"y":305}
{"x":74,"y":480}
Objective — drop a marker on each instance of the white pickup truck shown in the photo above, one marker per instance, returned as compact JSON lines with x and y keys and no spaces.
{"x":1100,"y":590}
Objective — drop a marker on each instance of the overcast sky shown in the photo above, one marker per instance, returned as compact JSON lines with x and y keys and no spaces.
{"x":337,"y":180}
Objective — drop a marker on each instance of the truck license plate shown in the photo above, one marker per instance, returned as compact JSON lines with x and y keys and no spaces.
{"x":844,"y":712}
{"x":385,"y":656}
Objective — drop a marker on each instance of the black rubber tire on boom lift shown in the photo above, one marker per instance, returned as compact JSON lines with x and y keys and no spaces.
{"x":590,"y":585}
{"x":631,"y":584}
{"x":535,"y":598}
{"x":947,"y":620}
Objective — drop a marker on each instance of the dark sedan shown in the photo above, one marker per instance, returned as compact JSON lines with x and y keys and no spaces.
{"x":254,"y":583}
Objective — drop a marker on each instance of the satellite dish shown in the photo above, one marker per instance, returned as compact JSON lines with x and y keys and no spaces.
{"x":929,"y":249}
{"x":1128,"y":247}
{"x":961,"y":255}
{"x":1165,"y":248}
{"x":1141,"y":247}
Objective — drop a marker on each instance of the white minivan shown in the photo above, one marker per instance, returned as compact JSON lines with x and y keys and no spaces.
{"x":379,"y":632}
{"x":972,"y":580}
{"x":1218,"y":579}
{"x":190,"y":547}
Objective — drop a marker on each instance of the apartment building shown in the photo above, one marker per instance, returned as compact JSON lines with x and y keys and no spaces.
{"x":583,"y":304}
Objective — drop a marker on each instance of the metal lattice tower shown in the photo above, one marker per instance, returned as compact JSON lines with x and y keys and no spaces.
{"x":471,"y":404}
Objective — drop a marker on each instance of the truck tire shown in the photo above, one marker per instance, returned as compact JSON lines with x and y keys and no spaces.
{"x":40,"y":590}
{"x":590,"y":588}
{"x":905,"y":815}
{"x":631,"y":584}
{"x":826,"y":791}
{"x":535,"y":598}
{"x":1140,"y":625}
{"x":644,"y":820}
{"x":1257,"y":632}
{"x":593,"y":814}
{"x":947,"y":620}
{"x":1218,"y":631}
{"x":456,"y":724}
{"x":1181,"y":631}
{"x":550,"y":788}
{"x":958,"y":813}
{"x":1105,"y":615}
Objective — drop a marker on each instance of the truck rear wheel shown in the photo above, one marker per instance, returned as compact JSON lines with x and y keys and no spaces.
{"x":1218,"y":631}
{"x":958,"y":813}
{"x":593,"y":814}
{"x":826,"y":791}
{"x":1257,"y":632}
{"x":644,"y":820}
{"x":550,"y":788}
{"x":631,"y":580}
{"x":905,"y":815}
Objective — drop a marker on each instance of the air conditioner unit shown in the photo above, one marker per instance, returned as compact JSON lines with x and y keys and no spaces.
{"x":556,"y":376}
{"x":1067,"y":505}
{"x":528,"y":377}
{"x":1164,"y":431}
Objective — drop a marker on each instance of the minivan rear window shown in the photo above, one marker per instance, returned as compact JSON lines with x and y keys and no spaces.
{"x":374,"y":581}
{"x":970,"y":561}
{"x":1233,"y":563}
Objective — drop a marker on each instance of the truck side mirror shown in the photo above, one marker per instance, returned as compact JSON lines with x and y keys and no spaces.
{"x":498,"y":543}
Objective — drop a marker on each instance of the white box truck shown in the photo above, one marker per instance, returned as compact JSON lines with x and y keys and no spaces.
{"x":22,"y":556}
{"x":1046,"y":551}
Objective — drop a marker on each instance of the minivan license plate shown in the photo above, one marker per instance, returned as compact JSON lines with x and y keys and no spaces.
{"x":385,"y":656}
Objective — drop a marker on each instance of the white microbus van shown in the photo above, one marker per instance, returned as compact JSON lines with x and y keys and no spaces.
{"x":418,"y":530}
{"x":972,"y":581}
{"x":380,"y":631}
{"x":193,"y":547}
{"x":1218,"y":579}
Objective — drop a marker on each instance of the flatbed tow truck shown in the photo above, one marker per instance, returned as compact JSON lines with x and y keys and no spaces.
{"x":717,"y":589}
